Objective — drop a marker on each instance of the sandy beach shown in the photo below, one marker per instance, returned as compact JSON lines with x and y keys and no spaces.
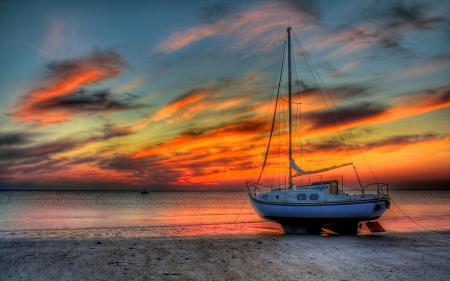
{"x":387,"y":256}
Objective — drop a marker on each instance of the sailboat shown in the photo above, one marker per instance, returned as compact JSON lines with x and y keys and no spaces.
{"x":316,"y":203}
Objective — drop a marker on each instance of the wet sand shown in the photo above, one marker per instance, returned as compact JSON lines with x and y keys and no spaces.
{"x":387,"y":256}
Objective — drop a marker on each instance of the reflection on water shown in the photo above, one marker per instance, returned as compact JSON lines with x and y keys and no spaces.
{"x":185,"y":213}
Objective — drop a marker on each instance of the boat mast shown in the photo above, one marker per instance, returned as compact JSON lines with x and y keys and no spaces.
{"x":290,"y":105}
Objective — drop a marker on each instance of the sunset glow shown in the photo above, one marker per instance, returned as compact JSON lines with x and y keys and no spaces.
{"x":182,"y":96}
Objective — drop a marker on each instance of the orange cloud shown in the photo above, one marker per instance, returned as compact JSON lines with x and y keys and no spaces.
{"x":221,"y":136}
{"x":403,"y":107}
{"x":260,"y":24}
{"x":181,"y":108}
{"x":181,"y":103}
{"x":233,"y":152}
{"x":64,"y":79}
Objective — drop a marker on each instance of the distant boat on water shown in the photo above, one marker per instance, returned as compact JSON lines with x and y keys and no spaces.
{"x":318,"y":203}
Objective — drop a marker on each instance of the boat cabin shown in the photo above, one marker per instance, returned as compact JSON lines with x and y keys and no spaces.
{"x":314,"y":192}
{"x":331,"y":185}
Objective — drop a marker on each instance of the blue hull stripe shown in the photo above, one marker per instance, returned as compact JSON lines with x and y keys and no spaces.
{"x":320,"y":203}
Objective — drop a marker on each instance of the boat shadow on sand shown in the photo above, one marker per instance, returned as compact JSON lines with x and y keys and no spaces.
{"x":331,"y":229}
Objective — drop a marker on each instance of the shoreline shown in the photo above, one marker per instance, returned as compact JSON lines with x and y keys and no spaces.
{"x":394,"y":225}
{"x":387,"y":256}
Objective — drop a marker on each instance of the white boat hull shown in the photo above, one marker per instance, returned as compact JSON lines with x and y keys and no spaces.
{"x":361,"y":210}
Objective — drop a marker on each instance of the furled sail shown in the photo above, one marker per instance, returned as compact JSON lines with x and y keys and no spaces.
{"x":296,"y":168}
{"x":301,"y":172}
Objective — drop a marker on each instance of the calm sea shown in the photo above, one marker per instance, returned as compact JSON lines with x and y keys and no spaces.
{"x":183,"y":213}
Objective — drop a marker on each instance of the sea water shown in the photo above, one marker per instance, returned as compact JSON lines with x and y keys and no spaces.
{"x":185,"y":213}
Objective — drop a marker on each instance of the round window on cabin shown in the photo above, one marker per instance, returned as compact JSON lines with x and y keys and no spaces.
{"x":277,"y":197}
{"x":314,"y":197}
{"x":301,"y":197}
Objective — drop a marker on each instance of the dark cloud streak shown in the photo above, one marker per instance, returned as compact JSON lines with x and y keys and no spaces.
{"x":107,"y":60}
{"x":86,"y":100}
{"x":335,"y":144}
{"x":14,"y":138}
{"x":346,"y":114}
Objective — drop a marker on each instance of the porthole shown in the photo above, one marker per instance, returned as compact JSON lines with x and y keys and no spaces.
{"x":277,"y":197}
{"x":314,"y":196}
{"x":264,"y":197}
{"x":301,"y":197}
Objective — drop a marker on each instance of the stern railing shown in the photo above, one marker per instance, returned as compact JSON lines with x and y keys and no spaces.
{"x":381,"y":188}
{"x":256,"y":188}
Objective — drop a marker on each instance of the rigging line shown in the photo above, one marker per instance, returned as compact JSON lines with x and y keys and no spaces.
{"x":413,"y":220}
{"x":340,"y":133}
{"x":292,"y":102}
{"x":343,"y":119}
{"x":302,"y":161}
{"x":279,"y":148}
{"x":240,"y":211}
{"x":280,"y":67}
{"x":334,"y":103}
{"x":274,"y":115}
{"x":295,"y":128}
{"x":285,"y":129}
{"x":298,"y":104}
{"x":310,"y":65}
{"x":284,"y":141}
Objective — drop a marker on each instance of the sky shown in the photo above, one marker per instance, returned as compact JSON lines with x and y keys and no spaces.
{"x":180,"y":94}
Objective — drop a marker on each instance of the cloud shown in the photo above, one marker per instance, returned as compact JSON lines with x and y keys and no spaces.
{"x":345,"y":68}
{"x":211,"y":98}
{"x":339,"y":92}
{"x":146,"y":171}
{"x":200,"y":154}
{"x":14,"y":138}
{"x":402,"y":140}
{"x":351,"y":114}
{"x":212,"y":12}
{"x":181,"y":103}
{"x":112,"y":131}
{"x":261,"y":27}
{"x":369,"y":113}
{"x":413,"y":14}
{"x":400,"y":17}
{"x":182,"y":107}
{"x":133,"y":84}
{"x":226,"y":153}
{"x":345,"y":41}
{"x":310,"y":6}
{"x":426,"y":67}
{"x":36,"y":151}
{"x":84,"y":100}
{"x":64,"y":79}
{"x":23,"y":156}
{"x":420,"y":102}
{"x":221,"y":135}
{"x":383,"y":25}
{"x":24,"y":145}
{"x":388,"y":144}
{"x":319,"y":118}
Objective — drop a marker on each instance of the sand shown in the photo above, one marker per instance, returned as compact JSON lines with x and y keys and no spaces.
{"x":387,"y":256}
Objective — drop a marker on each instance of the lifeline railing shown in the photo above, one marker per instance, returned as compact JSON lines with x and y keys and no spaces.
{"x":381,"y":188}
{"x":254,"y":188}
